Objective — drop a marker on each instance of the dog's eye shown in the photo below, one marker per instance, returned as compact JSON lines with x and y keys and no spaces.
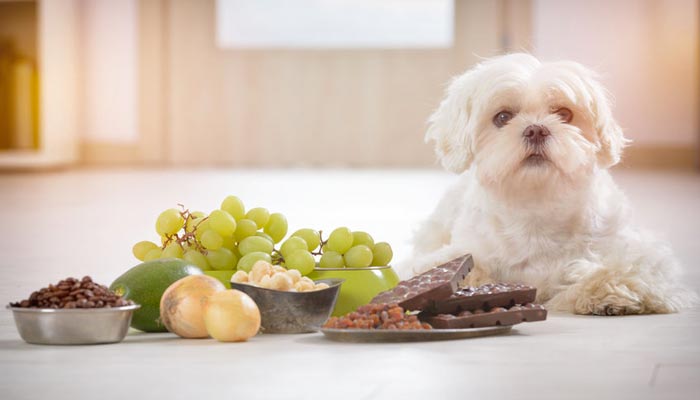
{"x":565,"y":114}
{"x":502,"y":118}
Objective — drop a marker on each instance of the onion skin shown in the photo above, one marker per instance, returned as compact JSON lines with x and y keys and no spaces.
{"x":231,"y":316}
{"x":182,"y":305}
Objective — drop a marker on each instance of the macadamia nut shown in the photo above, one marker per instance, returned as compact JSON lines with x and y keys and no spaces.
{"x":266,"y":282}
{"x":281,"y":281}
{"x":240,"y":277}
{"x":294,"y":274}
{"x":303,"y":286}
{"x":278,"y":268}
{"x":260,"y":269}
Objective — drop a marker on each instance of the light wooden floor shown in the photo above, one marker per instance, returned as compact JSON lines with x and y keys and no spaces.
{"x":84,"y":222}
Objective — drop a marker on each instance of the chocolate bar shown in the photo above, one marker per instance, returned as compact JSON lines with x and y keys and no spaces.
{"x":479,"y":318}
{"x":438,"y":283}
{"x":484,"y":297}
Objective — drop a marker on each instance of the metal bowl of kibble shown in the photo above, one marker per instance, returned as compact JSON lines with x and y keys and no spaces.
{"x":73,"y":312}
{"x":293,"y":312}
{"x":73,"y":325}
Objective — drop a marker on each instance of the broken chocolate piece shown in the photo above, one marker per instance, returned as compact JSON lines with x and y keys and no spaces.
{"x":494,"y":317}
{"x":438,"y":283}
{"x":485,"y":297}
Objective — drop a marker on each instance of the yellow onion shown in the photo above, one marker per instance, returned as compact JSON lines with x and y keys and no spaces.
{"x":181,"y":307}
{"x":231,"y":316}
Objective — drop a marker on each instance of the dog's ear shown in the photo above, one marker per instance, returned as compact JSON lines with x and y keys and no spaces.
{"x":449,"y":126}
{"x":611,"y":140}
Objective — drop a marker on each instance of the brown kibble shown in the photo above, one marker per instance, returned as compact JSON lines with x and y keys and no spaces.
{"x":72,"y":293}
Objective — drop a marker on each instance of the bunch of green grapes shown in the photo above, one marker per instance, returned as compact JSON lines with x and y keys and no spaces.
{"x":353,"y":249}
{"x":227,"y":239}
{"x":231,"y":238}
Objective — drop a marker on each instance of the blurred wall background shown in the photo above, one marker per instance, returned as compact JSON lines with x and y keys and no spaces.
{"x":154,"y":87}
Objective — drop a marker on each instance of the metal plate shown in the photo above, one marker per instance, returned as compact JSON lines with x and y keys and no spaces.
{"x":416,"y":335}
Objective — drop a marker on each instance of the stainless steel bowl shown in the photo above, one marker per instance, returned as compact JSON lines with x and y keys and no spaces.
{"x":73,"y":326}
{"x":293,"y":312}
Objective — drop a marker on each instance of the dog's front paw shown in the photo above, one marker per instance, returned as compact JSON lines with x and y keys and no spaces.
{"x":613,"y":310}
{"x":610,"y":305}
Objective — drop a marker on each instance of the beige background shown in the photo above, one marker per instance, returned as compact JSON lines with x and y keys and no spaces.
{"x":202,"y":105}
{"x":307,"y":107}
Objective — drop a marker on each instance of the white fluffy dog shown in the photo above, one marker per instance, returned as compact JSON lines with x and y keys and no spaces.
{"x":535,"y":202}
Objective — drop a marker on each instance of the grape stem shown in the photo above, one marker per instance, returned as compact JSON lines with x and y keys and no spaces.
{"x":320,"y":245}
{"x":186,"y":237}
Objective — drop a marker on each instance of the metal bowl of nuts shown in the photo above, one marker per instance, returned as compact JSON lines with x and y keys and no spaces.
{"x":73,"y":312}
{"x":293,"y":312}
{"x":288,"y":301}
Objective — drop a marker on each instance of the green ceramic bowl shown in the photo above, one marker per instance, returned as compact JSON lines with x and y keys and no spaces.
{"x":360,"y":286}
{"x":224,"y":276}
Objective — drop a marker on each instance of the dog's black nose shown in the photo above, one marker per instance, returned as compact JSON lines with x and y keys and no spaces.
{"x":536,"y":134}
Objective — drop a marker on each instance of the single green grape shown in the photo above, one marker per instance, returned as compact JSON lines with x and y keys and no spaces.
{"x":276,"y":227}
{"x":382,"y":254}
{"x":300,"y":260}
{"x":222,"y":222}
{"x":340,"y":240}
{"x":311,"y":237}
{"x":245,"y":228}
{"x":246,"y":262}
{"x":360,"y":237}
{"x":153,"y":254}
{"x":222,"y":259}
{"x":264,"y":236}
{"x":229,"y":242}
{"x":172,"y":250}
{"x":169,"y":222}
{"x":260,"y":215}
{"x":331,"y":259}
{"x":254,"y":244}
{"x":197,"y":259}
{"x":234,"y":206}
{"x":211,"y":240}
{"x":141,"y":248}
{"x":292,"y":244}
{"x":200,"y":228}
{"x":359,"y":256}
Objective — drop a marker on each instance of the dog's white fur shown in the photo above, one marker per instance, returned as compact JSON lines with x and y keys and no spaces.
{"x":561,"y":225}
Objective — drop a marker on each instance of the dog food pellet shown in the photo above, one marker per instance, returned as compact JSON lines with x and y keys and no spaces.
{"x":377,"y":316}
{"x":73,"y":293}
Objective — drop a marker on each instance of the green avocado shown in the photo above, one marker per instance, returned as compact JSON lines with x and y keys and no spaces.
{"x":145,"y":284}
